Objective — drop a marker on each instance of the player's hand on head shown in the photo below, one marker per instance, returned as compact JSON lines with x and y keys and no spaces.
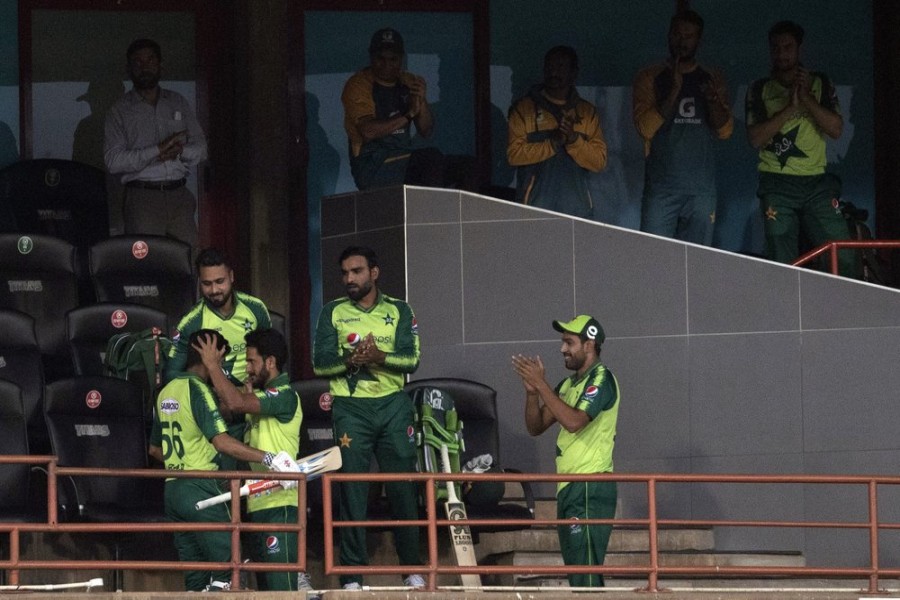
{"x":206,"y":347}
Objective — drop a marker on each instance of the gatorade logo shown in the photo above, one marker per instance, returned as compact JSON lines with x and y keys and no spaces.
{"x":687,"y":108}
{"x":687,"y":113}
{"x":118,"y":318}
{"x":93,"y":399}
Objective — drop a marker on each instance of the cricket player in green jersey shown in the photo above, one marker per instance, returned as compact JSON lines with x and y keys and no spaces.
{"x":189,"y":434}
{"x":222,"y":308}
{"x":366,"y":344}
{"x":231,"y":313}
{"x":790,"y":114}
{"x":586,"y":405}
{"x":273,"y":415}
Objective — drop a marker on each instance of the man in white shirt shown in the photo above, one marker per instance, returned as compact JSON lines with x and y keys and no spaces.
{"x":153,"y":139}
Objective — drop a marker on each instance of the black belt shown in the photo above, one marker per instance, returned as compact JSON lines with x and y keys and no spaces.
{"x":162,"y":186}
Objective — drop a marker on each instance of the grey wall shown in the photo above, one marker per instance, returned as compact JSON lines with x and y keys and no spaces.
{"x":727,"y":364}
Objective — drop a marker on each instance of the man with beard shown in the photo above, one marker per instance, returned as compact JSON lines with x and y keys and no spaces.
{"x":680,"y":109}
{"x":153,"y":139}
{"x":556,"y":141}
{"x":366,"y":344}
{"x":273,"y":415}
{"x":190,"y":435}
{"x":586,"y":405}
{"x":789,"y":114}
{"x":222,"y":309}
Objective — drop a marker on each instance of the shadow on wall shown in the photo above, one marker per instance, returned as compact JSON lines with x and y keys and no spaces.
{"x":9,"y":150}
{"x":87,"y":143}
{"x":321,"y":181}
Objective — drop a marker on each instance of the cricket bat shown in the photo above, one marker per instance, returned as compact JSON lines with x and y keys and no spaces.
{"x":460,"y":535}
{"x":313,"y":465}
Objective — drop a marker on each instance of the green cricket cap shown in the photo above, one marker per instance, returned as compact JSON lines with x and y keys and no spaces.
{"x":584,"y":326}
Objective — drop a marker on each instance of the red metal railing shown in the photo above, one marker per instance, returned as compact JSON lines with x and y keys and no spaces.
{"x":652,"y":571}
{"x":873,"y":572}
{"x":833,"y":247}
{"x":15,"y":563}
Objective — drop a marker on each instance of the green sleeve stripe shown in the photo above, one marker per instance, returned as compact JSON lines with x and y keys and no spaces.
{"x":401,"y":363}
{"x":190,"y":323}
{"x":405,"y":357}
{"x":327,"y":361}
{"x":258,"y":308}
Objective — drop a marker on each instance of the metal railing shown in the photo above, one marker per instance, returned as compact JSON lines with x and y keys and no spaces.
{"x":15,"y":563}
{"x":873,"y":572}
{"x":652,"y":571}
{"x":832,"y":249}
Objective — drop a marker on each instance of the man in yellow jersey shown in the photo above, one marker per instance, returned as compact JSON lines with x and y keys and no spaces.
{"x":680,"y":109}
{"x":586,"y":405}
{"x":381,"y":103}
{"x":273,"y":415}
{"x":366,"y":344}
{"x":556,"y":141}
{"x":189,"y":434}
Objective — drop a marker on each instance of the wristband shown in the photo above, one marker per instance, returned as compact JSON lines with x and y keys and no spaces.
{"x":268,"y":459}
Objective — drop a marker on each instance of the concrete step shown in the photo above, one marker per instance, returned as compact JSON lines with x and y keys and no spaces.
{"x":623,"y":539}
{"x":666,"y":559}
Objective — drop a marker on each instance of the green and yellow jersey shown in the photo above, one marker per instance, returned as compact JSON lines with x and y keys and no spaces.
{"x":187,"y":420}
{"x":589,"y":450}
{"x":343,"y":324}
{"x":275,"y":428}
{"x":249,"y":314}
{"x":799,"y":146}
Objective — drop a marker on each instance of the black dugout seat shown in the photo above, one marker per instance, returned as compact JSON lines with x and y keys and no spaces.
{"x":39,"y":276}
{"x":20,"y":363}
{"x":88,"y":329}
{"x":476,"y":405}
{"x":155,"y":271}
{"x":60,"y":198}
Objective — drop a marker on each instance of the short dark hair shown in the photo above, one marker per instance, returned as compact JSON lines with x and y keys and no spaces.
{"x":140,"y":45}
{"x":565,"y":51}
{"x":687,"y":16}
{"x":212,"y":257}
{"x":268,"y":342}
{"x":193,"y":356}
{"x":787,"y":27}
{"x":364,"y":251}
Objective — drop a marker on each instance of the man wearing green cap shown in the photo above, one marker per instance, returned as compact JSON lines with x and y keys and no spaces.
{"x":586,"y":405}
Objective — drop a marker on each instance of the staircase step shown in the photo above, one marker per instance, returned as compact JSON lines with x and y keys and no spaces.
{"x":622,"y":540}
{"x":668,"y":559}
